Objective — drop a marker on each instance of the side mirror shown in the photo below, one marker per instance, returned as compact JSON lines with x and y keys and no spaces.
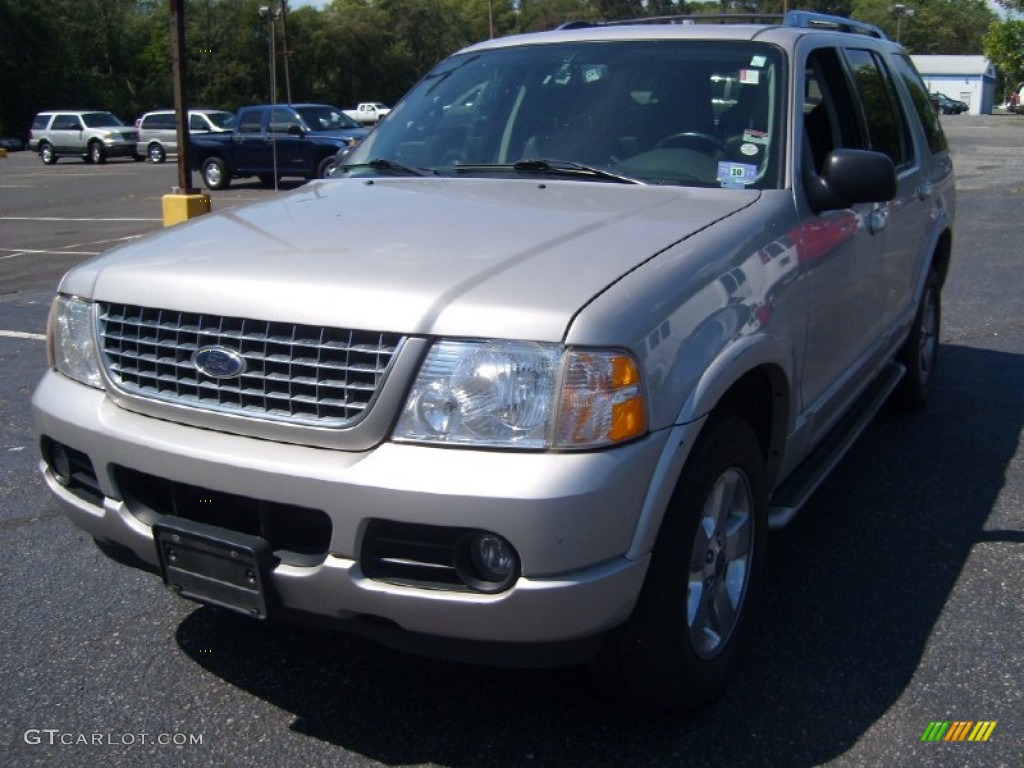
{"x":850,"y":176}
{"x":296,"y":130}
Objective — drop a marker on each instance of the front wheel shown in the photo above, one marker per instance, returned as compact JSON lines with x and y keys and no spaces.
{"x":97,"y":154}
{"x":920,"y":353}
{"x":684,"y":640}
{"x":326,"y":167}
{"x":216,"y":174}
{"x":47,"y":154}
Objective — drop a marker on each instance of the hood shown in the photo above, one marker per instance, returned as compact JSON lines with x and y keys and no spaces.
{"x":454,"y":257}
{"x":343,"y":133}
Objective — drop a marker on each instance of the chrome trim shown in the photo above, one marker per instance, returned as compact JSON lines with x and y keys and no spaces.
{"x":297,"y":374}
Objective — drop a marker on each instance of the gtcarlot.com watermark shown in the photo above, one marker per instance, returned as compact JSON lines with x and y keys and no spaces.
{"x":56,"y":737}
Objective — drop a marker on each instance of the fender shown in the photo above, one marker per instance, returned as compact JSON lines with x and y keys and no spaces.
{"x":737,"y":359}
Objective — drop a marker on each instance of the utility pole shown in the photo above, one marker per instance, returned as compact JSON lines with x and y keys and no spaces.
{"x":184,"y":201}
{"x":285,"y":52}
{"x":179,"y":65}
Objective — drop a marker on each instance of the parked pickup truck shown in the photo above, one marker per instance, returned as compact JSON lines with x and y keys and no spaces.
{"x":369,"y":112}
{"x":270,"y":142}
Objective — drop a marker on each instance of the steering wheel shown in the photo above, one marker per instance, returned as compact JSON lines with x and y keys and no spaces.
{"x":692,"y":137}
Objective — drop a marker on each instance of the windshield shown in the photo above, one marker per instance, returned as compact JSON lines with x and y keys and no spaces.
{"x":661,"y":112}
{"x":100,"y":119}
{"x":324,"y":118}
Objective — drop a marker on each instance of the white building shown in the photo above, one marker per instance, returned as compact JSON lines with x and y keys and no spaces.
{"x":967,"y":78}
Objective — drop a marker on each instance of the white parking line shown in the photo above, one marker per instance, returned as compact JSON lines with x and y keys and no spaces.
{"x":12,"y":253}
{"x":60,"y":218}
{"x":22,"y":335}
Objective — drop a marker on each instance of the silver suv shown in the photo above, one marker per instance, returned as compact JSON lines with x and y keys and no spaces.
{"x":619,"y":297}
{"x":90,"y":134}
{"x":158,"y":134}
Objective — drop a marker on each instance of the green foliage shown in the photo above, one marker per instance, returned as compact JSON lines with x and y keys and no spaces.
{"x":1004,"y":47}
{"x":116,"y":54}
{"x":935,"y":27}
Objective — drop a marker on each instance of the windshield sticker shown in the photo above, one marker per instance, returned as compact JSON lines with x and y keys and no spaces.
{"x":750,"y":76}
{"x":749,"y":149}
{"x":754,"y":136}
{"x":736,"y":175}
{"x":758,"y":61}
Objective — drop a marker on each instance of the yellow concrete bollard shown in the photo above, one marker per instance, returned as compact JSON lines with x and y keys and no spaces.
{"x":180,"y":206}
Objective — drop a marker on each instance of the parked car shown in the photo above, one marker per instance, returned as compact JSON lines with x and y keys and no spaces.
{"x":11,"y":143}
{"x":947,"y":106}
{"x":158,"y":133}
{"x":92,"y":135}
{"x":273,"y":141}
{"x":529,"y":379}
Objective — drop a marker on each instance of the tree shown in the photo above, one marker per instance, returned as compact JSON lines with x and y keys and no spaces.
{"x":936,"y":26}
{"x":1004,"y":47}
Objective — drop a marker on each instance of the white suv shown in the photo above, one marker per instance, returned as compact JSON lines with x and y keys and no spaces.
{"x":93,"y":135}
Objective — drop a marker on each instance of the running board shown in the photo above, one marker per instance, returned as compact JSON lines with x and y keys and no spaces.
{"x":805,"y":479}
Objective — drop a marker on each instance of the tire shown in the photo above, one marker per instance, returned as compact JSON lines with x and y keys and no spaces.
{"x":326,"y":166}
{"x":47,"y":154}
{"x":920,"y":352}
{"x":155,"y":153}
{"x":685,"y":637}
{"x":97,"y":154}
{"x":216,"y":174}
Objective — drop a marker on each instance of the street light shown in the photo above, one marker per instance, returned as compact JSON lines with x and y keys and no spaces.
{"x":899,"y":11}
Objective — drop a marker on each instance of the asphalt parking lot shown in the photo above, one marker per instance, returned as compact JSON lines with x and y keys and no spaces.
{"x":892,"y":601}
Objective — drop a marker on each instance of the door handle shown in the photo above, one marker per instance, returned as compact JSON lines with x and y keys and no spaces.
{"x":878,"y":219}
{"x":924,"y":190}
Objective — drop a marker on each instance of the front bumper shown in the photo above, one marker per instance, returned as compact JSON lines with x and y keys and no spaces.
{"x":571,"y":516}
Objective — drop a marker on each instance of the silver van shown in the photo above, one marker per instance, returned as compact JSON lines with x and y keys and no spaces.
{"x":157,"y":136}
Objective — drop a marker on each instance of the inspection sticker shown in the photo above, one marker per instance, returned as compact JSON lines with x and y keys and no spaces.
{"x":736,"y":174}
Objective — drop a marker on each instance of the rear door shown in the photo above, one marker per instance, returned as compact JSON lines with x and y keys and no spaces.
{"x":251,"y":141}
{"x":66,"y":134}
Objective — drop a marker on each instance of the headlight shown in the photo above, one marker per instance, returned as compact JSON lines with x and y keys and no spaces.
{"x":523,"y":395}
{"x":71,"y":338}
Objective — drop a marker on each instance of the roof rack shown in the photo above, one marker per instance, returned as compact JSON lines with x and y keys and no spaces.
{"x":711,"y":18}
{"x":811,"y":20}
{"x":804,"y":19}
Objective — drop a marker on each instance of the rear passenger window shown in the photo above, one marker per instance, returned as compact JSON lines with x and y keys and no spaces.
{"x":66,"y":123}
{"x":884,"y":121}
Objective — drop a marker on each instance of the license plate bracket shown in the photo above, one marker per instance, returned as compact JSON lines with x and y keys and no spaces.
{"x":215,"y":566}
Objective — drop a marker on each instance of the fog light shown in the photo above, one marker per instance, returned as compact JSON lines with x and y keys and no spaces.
{"x":486,"y":562}
{"x":60,"y":462}
{"x":493,"y":557}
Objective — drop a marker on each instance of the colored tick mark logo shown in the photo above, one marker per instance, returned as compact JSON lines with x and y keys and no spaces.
{"x":959,"y":730}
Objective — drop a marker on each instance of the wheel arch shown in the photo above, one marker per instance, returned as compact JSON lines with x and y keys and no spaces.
{"x":760,"y":393}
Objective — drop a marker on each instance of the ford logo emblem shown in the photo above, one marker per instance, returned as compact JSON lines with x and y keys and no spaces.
{"x":218,"y":362}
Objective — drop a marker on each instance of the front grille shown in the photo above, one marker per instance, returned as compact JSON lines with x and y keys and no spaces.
{"x":303,"y":374}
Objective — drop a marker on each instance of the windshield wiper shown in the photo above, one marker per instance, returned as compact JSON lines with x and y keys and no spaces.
{"x":380,"y":164}
{"x":556,"y":167}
